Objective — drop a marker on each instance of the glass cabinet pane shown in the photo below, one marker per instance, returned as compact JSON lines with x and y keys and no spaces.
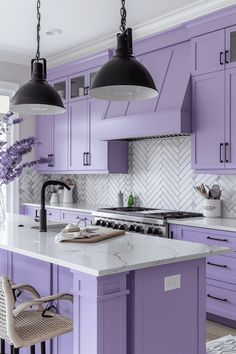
{"x":77,"y":85}
{"x":233,"y":46}
{"x":61,"y":88}
{"x":92,"y":77}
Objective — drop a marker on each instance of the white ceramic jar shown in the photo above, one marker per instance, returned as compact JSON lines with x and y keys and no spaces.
{"x":212,"y":208}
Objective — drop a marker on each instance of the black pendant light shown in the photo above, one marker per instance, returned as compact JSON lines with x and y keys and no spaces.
{"x":123,"y":78}
{"x":37,"y":97}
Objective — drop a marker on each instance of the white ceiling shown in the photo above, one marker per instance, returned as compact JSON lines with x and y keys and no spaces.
{"x":87,"y":24}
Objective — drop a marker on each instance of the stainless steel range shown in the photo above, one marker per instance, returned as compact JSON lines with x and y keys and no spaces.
{"x":153,"y":222}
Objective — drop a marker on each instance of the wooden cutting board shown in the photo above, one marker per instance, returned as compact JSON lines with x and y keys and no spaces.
{"x":101,"y":237}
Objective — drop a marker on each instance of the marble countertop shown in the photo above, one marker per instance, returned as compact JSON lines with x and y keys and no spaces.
{"x":224,"y":224}
{"x":69,"y":206}
{"x":124,"y":253}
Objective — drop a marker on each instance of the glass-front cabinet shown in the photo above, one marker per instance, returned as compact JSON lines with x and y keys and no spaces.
{"x":61,"y":85}
{"x":79,"y":84}
{"x":230,"y":53}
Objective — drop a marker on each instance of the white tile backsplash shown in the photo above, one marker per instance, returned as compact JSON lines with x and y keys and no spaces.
{"x":160,"y":175}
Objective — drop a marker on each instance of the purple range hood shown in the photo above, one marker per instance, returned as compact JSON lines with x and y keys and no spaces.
{"x":169,"y":113}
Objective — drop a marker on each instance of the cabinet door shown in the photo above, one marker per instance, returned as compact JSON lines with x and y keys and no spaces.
{"x":61,"y":85}
{"x":157,"y":64}
{"x":208,"y":52}
{"x":97,"y":158}
{"x":77,"y":135}
{"x":208,"y":121}
{"x":230,"y":54}
{"x":45,"y":138}
{"x":60,"y":141}
{"x":230,"y":119}
{"x":77,"y":87}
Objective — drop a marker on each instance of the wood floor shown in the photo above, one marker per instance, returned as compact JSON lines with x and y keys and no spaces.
{"x":216,"y":330}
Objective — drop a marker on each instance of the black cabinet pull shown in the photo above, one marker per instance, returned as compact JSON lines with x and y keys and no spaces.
{"x":217,"y":265}
{"x":50,"y":160}
{"x":88,"y":159}
{"x":226,"y":146}
{"x":85,"y":159}
{"x":221,"y":58}
{"x":217,"y":239}
{"x":216,"y":298}
{"x":221,"y":146}
{"x":85,"y":91}
{"x":226,"y":57}
{"x":171,"y":234}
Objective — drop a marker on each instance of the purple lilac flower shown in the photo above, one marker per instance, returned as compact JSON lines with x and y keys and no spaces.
{"x":11,"y":165}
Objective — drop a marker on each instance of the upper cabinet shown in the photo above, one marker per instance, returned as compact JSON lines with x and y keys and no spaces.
{"x":213,"y":102}
{"x":208,"y":52}
{"x":214,"y":51}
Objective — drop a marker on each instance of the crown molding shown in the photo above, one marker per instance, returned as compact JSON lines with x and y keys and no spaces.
{"x":157,"y":25}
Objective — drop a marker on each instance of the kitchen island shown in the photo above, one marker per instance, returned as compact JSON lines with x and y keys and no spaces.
{"x":133,"y":294}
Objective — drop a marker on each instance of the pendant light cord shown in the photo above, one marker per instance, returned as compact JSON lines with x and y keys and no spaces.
{"x":123,"y":14}
{"x":37,"y":56}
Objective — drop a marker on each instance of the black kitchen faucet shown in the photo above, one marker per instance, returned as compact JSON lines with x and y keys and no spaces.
{"x":43,"y":213}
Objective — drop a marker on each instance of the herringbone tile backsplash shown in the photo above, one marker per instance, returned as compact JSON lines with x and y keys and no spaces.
{"x":160,"y":175}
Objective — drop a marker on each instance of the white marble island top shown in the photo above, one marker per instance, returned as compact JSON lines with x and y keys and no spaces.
{"x":124,"y":253}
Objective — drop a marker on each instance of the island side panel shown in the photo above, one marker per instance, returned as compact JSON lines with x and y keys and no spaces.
{"x":167,"y":322}
{"x":100,"y":314}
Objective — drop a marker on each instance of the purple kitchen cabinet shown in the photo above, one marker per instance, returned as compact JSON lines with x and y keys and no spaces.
{"x":60,"y":141}
{"x":77,"y":135}
{"x":4,"y":262}
{"x":208,"y":52}
{"x":45,"y":137}
{"x":208,"y":97}
{"x":87,"y":152}
{"x":230,"y":121}
{"x":220,"y":270}
{"x":230,"y":54}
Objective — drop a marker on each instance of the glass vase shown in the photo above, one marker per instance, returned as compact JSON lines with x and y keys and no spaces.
{"x":2,"y":206}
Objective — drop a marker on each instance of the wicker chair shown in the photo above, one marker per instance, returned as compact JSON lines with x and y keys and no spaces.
{"x":24,"y":325}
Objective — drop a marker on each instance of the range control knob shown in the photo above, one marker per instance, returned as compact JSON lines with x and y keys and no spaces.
{"x":98,"y":222}
{"x":149,"y":231}
{"x":103,"y":223}
{"x":157,"y":232}
{"x":132,"y":228}
{"x":139,"y":229}
{"x":116,"y":226}
{"x":109,"y":224}
{"x":122,"y":227}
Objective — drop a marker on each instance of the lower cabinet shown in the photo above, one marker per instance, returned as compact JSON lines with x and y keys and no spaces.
{"x":220,"y":270}
{"x":47,"y":279}
{"x":64,"y":216}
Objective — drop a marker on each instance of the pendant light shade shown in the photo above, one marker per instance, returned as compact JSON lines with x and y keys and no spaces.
{"x":37,"y":97}
{"x":123,"y":78}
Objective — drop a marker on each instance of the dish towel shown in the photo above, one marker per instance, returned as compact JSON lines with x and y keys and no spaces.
{"x":222,"y":345}
{"x":71,"y":232}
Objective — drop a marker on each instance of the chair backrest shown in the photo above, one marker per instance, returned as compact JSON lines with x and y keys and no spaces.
{"x":7,"y":303}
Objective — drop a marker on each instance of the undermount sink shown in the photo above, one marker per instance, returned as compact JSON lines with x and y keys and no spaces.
{"x":52,"y":227}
